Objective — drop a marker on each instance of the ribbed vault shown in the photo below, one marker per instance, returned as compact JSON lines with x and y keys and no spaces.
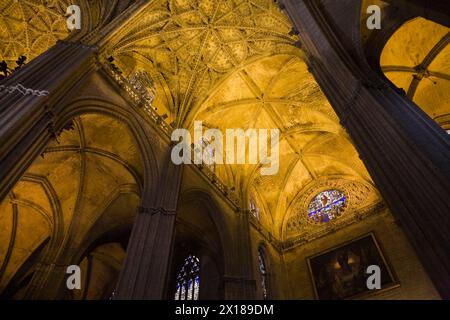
{"x":234,"y":64}
{"x":279,"y":92}
{"x":29,"y":27}
{"x":188,"y":47}
{"x":416,"y":60}
{"x":85,"y":184}
{"x":231,"y":64}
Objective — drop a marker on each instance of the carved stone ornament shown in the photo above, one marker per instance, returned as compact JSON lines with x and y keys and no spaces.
{"x":361,"y":199}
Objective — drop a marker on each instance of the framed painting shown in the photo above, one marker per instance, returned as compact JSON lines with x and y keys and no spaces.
{"x":341,"y":272}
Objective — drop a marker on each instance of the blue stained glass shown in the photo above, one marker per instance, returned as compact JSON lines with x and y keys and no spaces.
{"x":183,"y":291}
{"x":188,"y":279}
{"x":196,"y":287}
{"x":177,"y":293}
{"x":326,"y":206}
{"x":263,"y":273}
{"x":190,"y":289}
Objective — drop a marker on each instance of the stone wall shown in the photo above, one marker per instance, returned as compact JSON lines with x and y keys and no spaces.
{"x":290,"y":276}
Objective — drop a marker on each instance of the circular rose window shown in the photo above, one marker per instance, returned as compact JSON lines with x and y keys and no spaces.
{"x":326,"y":206}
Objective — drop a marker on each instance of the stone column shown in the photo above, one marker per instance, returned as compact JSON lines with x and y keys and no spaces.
{"x":239,"y":288}
{"x":406,"y":153}
{"x":239,"y":282}
{"x":147,"y":263}
{"x":247,"y":285}
{"x":29,"y":101}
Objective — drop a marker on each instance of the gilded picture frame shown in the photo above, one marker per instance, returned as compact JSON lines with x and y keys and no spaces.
{"x":340,"y":272}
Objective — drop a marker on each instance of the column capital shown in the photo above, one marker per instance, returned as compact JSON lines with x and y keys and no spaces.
{"x":77,"y":44}
{"x":157,"y":210}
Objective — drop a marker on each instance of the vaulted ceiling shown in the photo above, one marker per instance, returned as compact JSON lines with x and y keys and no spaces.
{"x":29,"y":27}
{"x":234,"y":64}
{"x":231,"y":64}
{"x":189,"y":47}
{"x":86,"y":183}
{"x":278,"y":92}
{"x":416,"y":59}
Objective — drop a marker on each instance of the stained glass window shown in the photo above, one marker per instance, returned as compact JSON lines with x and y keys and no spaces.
{"x":188,"y":279}
{"x":326,"y":206}
{"x":263,"y":272}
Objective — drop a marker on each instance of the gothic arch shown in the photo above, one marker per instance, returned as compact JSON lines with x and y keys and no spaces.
{"x":135,"y":123}
{"x":263,"y":251}
{"x":295,"y":224}
{"x":217,"y":215}
{"x":145,"y":178}
{"x":203,"y":230}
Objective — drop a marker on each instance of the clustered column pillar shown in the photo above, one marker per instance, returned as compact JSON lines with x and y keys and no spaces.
{"x":29,"y":101}
{"x":406,"y":153}
{"x":149,"y":251}
{"x":242,"y":286}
